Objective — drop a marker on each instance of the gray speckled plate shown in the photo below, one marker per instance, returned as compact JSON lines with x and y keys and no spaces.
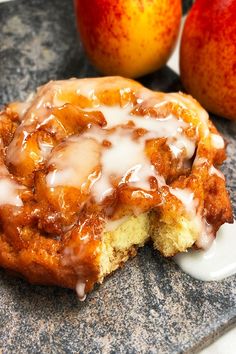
{"x":149,"y":306}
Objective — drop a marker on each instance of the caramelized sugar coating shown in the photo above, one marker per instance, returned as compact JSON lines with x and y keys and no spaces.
{"x":82,"y":154}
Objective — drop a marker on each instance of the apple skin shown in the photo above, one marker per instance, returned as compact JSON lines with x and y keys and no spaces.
{"x":208,"y":55}
{"x":128,"y":37}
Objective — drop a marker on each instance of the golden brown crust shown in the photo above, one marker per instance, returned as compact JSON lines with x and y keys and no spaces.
{"x":55,"y":236}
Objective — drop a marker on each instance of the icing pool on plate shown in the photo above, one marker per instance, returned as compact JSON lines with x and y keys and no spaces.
{"x":216,"y":263}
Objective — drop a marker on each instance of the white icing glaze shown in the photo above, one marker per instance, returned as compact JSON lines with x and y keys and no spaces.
{"x":200,"y":161}
{"x":216,"y":263}
{"x":80,"y":290}
{"x":214,"y":171}
{"x":45,"y":148}
{"x":169,"y":127}
{"x":176,"y":151}
{"x":183,"y":100}
{"x":206,"y":236}
{"x":194,"y":106}
{"x":112,"y":225}
{"x":74,"y":162}
{"x":9,"y":192}
{"x":125,"y":159}
{"x":116,"y":115}
{"x":186,"y":196}
{"x":181,"y":143}
{"x":87,"y":90}
{"x":217,"y":141}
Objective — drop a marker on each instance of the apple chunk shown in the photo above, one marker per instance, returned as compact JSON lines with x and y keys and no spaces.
{"x":64,"y":186}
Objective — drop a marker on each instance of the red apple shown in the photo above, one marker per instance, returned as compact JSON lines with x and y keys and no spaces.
{"x":208,"y":55}
{"x":128,"y":37}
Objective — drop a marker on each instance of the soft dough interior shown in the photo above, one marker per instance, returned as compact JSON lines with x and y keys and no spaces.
{"x":121,"y":244}
{"x":169,"y":237}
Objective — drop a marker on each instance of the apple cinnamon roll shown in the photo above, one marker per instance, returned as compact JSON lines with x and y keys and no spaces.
{"x":91,"y":169}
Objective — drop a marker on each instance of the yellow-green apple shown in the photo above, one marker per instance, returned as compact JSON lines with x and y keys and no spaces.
{"x":208,"y":55}
{"x":128,"y":37}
